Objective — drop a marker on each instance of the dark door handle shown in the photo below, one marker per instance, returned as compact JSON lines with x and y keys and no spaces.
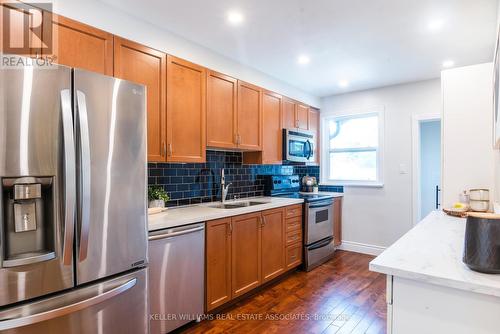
{"x":437,"y":197}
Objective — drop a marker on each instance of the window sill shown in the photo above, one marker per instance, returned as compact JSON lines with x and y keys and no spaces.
{"x":353,"y":184}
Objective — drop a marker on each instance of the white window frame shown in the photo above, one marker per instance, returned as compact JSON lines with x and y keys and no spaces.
{"x":325,"y":150}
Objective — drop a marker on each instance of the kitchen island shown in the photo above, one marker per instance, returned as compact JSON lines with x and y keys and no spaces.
{"x":430,"y":289}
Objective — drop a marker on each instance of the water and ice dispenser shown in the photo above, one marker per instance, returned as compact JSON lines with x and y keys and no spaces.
{"x":28,"y":218}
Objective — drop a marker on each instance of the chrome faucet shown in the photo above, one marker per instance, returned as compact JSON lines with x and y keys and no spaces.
{"x":224,"y":188}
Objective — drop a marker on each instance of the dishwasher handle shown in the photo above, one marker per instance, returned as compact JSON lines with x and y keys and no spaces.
{"x":175,"y":234}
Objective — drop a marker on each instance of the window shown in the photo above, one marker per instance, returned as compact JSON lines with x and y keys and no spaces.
{"x":351,"y":149}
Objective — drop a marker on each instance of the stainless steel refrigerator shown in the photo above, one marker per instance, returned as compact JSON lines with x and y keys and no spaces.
{"x":73,"y":207}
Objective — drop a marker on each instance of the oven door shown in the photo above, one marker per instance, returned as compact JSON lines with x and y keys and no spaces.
{"x":299,"y":147}
{"x":319,"y":220}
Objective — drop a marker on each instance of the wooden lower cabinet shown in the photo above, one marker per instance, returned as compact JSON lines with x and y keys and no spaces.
{"x":273,"y":243}
{"x":218,"y":262}
{"x":337,"y":221}
{"x":293,"y":256}
{"x":245,"y":251}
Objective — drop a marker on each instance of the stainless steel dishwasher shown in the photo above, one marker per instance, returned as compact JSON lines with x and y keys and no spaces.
{"x":176,"y":276}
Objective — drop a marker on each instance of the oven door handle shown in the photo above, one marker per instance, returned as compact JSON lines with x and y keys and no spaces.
{"x":320,"y":244}
{"x":320,"y":205}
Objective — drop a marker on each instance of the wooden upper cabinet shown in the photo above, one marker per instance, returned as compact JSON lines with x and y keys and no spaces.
{"x":245,"y":253}
{"x":79,"y":45}
{"x":302,"y":116}
{"x":25,"y":24}
{"x":249,"y":134}
{"x":289,"y":114}
{"x":273,"y":243}
{"x":313,"y":126}
{"x":218,"y":260}
{"x":146,"y":66}
{"x":186,"y":111}
{"x":221,"y":110}
{"x":272,"y":128}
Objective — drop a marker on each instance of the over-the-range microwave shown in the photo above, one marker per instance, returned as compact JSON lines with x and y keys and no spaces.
{"x":298,"y":145}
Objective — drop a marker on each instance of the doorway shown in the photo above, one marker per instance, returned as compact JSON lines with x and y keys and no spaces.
{"x":426,"y":165}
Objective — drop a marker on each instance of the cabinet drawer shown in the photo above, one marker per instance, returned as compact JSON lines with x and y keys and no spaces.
{"x":293,"y":224}
{"x":294,"y":237}
{"x":293,"y":255}
{"x":293,"y":211}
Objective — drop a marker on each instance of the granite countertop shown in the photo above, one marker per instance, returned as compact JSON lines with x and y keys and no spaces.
{"x":432,"y":253}
{"x":184,"y":215}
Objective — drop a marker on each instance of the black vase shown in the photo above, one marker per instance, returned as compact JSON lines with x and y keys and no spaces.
{"x":482,"y":244}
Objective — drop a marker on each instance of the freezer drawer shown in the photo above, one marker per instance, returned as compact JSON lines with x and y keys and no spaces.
{"x":118,"y":305}
{"x":176,"y":276}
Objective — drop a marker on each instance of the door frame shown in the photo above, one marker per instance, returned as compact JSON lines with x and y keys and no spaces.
{"x":416,"y":191}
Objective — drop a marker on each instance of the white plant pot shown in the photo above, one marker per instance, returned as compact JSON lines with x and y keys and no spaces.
{"x":157,"y":203}
{"x":315,"y":190}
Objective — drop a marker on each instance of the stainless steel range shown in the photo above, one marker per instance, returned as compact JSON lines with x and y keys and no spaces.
{"x":318,"y":217}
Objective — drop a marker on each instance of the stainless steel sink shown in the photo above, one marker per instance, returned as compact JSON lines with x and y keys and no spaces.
{"x":236,"y":205}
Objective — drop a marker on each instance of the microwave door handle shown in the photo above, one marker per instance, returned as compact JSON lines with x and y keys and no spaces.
{"x":85,"y":167}
{"x":310,"y":150}
{"x":69,"y":185}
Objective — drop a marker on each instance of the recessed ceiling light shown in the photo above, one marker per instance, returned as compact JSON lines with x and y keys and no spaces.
{"x":303,"y":60}
{"x":343,"y":83}
{"x":435,"y":25}
{"x":448,"y":63}
{"x":235,"y":17}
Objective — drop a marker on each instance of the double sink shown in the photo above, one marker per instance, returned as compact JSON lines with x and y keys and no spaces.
{"x":236,"y":205}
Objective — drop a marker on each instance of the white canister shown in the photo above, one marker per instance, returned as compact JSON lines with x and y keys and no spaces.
{"x":479,"y":194}
{"x":479,"y":206}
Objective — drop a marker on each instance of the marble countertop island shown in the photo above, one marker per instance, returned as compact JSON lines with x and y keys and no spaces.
{"x":432,"y":253}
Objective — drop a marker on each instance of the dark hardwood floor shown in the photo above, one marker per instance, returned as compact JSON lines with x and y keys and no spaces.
{"x":343,"y":295}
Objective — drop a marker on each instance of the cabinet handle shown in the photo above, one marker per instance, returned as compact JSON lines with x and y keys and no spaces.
{"x":164,"y":149}
{"x":170,"y":149}
{"x":262,"y":221}
{"x":230,"y":228}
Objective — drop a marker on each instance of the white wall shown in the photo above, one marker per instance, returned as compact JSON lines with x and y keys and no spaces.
{"x":468,"y":154}
{"x":374,"y":218}
{"x":117,"y":22}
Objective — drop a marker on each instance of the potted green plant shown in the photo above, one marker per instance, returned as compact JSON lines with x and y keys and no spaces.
{"x":157,"y":197}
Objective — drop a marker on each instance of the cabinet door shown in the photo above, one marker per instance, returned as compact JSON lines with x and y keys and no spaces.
{"x":313,"y":122}
{"x":24,"y":24}
{"x":218,"y":255}
{"x":186,"y":126}
{"x":245,"y":253}
{"x":289,"y":114}
{"x":146,"y":66}
{"x":273,"y":243}
{"x":271,"y":128}
{"x":221,"y":110}
{"x":302,"y":116}
{"x":337,"y":221}
{"x":79,"y":45}
{"x":249,"y":117}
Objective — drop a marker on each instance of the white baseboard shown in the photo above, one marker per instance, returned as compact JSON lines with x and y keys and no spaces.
{"x":358,"y":247}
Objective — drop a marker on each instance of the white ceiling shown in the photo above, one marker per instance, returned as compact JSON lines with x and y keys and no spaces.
{"x":370,"y":43}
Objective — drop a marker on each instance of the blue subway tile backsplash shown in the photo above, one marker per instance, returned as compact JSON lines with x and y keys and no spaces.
{"x":195,"y":183}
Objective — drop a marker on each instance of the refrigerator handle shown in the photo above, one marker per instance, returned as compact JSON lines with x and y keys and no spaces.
{"x":84,"y":141}
{"x":51,"y":312}
{"x":69,"y":176}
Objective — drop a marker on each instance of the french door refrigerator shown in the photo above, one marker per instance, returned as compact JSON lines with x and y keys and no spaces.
{"x":73,"y":233}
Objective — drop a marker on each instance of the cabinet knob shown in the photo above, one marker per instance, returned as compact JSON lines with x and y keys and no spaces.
{"x":170,"y":149}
